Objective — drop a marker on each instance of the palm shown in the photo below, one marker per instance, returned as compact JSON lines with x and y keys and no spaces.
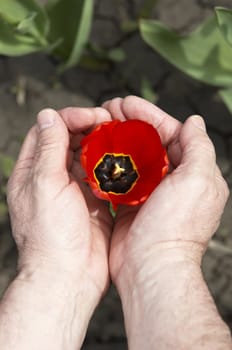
{"x":120,"y":241}
{"x":129,"y":236}
{"x":100,"y":226}
{"x":79,"y":121}
{"x":131,"y":108}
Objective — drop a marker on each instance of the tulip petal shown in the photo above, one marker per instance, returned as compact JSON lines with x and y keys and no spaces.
{"x":145,"y":185}
{"x":95,"y":145}
{"x":139,"y":139}
{"x":113,"y":141}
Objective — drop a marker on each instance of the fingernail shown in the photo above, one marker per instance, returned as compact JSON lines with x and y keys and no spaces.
{"x":46,"y":118}
{"x":198,"y":121}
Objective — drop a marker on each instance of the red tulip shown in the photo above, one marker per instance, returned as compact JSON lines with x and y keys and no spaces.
{"x":124,"y":161}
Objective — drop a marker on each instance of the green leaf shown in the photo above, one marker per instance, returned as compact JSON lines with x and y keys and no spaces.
{"x":147,"y":91}
{"x":71,"y":24}
{"x":224,"y":18}
{"x":13,"y":43}
{"x":226,"y":95}
{"x":203,"y":54}
{"x":15,"y":11}
{"x":24,"y":26}
{"x":6,"y":165}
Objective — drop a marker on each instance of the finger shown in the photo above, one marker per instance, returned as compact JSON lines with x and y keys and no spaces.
{"x":53,"y":144}
{"x":115,"y":108}
{"x":79,"y":119}
{"x":26,"y":156}
{"x":75,"y":141}
{"x":199,"y":156}
{"x":133,"y":107}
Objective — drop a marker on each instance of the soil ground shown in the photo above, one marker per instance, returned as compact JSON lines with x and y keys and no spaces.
{"x":28,"y":84}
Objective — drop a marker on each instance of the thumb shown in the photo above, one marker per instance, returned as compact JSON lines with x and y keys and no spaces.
{"x":198,"y":153}
{"x":53,"y":143}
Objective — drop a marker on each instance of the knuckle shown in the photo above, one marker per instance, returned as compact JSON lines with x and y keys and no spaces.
{"x":201,"y":184}
{"x":47,"y":153}
{"x":208,"y":148}
{"x":221,"y":184}
{"x":130,"y":99}
{"x":46,"y":146}
{"x":115,"y":103}
{"x":40,"y":179}
{"x":223,"y":189}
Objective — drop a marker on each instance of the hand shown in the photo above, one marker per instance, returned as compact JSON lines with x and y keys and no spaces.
{"x":61,"y":230}
{"x":181,"y":215}
{"x":156,"y":249}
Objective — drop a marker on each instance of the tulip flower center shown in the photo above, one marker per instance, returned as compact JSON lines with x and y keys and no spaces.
{"x":116,"y":173}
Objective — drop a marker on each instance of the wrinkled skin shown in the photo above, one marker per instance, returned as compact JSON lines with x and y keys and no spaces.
{"x":152,"y":253}
{"x":184,"y":211}
{"x":55,"y":218}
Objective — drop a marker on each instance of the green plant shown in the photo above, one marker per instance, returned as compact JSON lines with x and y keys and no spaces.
{"x":205,"y":54}
{"x":58,"y":28}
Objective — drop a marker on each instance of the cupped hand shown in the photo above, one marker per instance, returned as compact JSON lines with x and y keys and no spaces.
{"x":181,"y":215}
{"x":57,"y":223}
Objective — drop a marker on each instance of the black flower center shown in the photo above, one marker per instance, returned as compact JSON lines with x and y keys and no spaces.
{"x":116,"y":173}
